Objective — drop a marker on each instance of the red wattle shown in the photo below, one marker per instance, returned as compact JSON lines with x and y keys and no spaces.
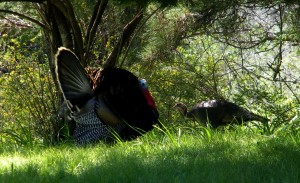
{"x":149,"y":98}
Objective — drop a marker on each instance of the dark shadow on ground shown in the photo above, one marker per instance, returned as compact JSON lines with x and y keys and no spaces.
{"x":271,"y":162}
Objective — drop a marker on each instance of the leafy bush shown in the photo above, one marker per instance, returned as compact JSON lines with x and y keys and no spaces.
{"x":194,"y":68}
{"x":28,"y":99}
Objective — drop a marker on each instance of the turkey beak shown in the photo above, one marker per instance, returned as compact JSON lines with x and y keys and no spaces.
{"x":175,"y":106}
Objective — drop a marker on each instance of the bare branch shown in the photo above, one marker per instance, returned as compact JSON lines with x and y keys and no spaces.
{"x":31,"y":1}
{"x":127,"y":32}
{"x":66,"y":8}
{"x":25,"y":17}
{"x":280,"y":51}
{"x":138,"y":30}
{"x":94,"y":23}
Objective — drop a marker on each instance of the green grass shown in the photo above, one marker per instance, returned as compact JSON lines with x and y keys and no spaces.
{"x":182,"y":155}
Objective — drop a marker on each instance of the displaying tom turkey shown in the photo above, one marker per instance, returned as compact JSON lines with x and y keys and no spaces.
{"x":115,"y":103}
{"x":219,"y":113}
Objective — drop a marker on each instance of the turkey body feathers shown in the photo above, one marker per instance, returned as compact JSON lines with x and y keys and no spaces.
{"x":219,"y":113}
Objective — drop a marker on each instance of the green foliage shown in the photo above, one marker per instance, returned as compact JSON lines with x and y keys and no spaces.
{"x":191,"y":69}
{"x":144,"y":3}
{"x":28,"y":98}
{"x":186,"y":53}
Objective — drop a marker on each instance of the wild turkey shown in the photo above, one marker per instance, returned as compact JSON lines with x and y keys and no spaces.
{"x":219,"y":113}
{"x":116,"y":103}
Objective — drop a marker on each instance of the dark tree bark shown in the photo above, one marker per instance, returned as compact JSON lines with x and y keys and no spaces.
{"x":95,"y":21}
{"x":125,"y":36}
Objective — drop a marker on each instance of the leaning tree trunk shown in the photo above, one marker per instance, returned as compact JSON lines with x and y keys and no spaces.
{"x":64,"y":30}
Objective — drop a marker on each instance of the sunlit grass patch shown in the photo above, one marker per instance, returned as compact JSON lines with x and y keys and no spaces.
{"x":184,"y":154}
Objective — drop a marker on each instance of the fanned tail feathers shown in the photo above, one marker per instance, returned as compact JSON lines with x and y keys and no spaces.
{"x":72,"y":77}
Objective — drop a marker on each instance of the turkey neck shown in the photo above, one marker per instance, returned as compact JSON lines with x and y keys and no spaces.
{"x":183,"y":110}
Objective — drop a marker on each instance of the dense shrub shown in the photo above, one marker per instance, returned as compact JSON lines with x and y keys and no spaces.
{"x":28,"y":97}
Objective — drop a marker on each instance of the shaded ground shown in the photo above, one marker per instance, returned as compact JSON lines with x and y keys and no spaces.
{"x":232,"y":159}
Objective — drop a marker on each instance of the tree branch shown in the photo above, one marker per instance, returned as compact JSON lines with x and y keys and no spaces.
{"x":26,"y":17}
{"x":125,"y":36}
{"x":76,"y":31}
{"x":94,"y":23}
{"x":31,"y":1}
{"x":136,"y":32}
{"x":66,"y":8}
